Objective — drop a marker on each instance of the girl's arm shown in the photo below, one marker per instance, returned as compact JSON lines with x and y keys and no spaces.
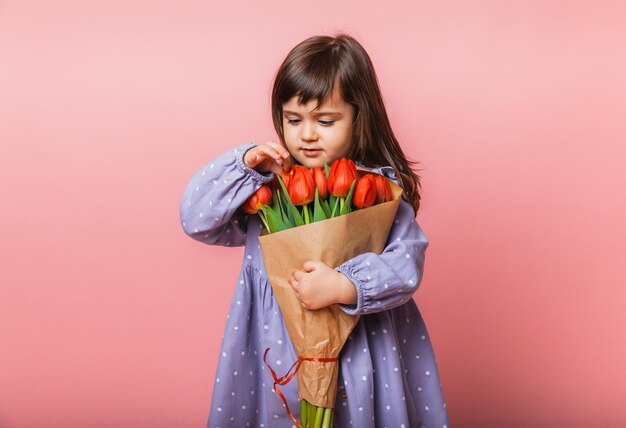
{"x":210,"y":207}
{"x":389,"y":279}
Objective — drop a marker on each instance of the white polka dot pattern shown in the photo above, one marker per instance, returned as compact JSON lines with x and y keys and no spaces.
{"x":388,"y":374}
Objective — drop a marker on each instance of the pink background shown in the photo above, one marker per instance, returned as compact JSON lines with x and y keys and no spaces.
{"x":110,"y":316}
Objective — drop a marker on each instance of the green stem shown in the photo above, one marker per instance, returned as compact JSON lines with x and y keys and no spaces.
{"x":303,"y":413}
{"x":311,"y":414}
{"x":328,"y":415}
{"x":319,"y":414}
{"x":264,"y":220}
{"x":305,"y":209}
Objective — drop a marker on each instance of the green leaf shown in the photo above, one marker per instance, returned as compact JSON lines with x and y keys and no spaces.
{"x":297,"y":215}
{"x":274,"y":220}
{"x":281,"y":207}
{"x":275,"y":201}
{"x":348,"y":202}
{"x":332,"y":201}
{"x":334,"y":212}
{"x":295,"y":219}
{"x":324,"y":204}
{"x":318,"y":210}
{"x":264,"y":220}
{"x":327,"y":169}
{"x":280,"y":211}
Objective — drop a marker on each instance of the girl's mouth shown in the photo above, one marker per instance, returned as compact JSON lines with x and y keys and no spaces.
{"x":311,"y":153}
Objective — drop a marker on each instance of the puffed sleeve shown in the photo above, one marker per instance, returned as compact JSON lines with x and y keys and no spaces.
{"x":389,"y":279}
{"x":210,"y":207}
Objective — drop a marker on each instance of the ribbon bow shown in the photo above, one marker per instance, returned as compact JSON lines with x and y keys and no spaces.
{"x":283,"y":380}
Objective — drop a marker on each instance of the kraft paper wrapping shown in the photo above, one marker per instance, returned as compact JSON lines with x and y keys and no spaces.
{"x":322,"y":333}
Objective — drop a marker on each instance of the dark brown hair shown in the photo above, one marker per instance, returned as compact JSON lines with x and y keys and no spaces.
{"x":313,"y":68}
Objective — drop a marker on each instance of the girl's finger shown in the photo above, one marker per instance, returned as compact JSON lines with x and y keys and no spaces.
{"x":283,"y":152}
{"x":256,"y":155}
{"x":250,"y":158}
{"x":288,"y":162}
{"x":308,"y":266}
{"x":296,"y":274}
{"x":270,"y":152}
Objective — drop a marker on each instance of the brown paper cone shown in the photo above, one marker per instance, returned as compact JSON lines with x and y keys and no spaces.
{"x":322,"y":333}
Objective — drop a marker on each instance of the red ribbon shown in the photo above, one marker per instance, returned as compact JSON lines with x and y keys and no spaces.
{"x":289,"y":375}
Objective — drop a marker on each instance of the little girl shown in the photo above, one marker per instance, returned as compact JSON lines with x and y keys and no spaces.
{"x":326,"y":104}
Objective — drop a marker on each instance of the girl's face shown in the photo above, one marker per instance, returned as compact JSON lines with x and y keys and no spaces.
{"x":315,"y":136}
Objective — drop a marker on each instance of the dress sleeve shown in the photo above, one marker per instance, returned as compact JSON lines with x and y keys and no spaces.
{"x":389,"y":279}
{"x":210,"y":207}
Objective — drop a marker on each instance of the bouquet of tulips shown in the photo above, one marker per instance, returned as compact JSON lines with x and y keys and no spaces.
{"x":286,"y":202}
{"x":330,"y":214}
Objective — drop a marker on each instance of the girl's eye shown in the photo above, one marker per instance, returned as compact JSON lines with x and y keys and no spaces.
{"x":322,"y":122}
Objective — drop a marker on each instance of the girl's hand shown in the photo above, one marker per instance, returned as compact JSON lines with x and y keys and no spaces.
{"x":319,"y":285}
{"x":268,"y":156}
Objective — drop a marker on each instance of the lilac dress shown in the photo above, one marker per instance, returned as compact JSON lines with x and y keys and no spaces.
{"x":388,"y":374}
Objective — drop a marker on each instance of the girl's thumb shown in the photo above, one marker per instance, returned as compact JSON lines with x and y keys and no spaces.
{"x":250,"y":159}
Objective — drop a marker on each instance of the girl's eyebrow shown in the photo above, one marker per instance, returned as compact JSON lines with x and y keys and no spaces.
{"x":319,"y":113}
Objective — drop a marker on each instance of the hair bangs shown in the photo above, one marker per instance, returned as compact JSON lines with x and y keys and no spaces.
{"x":314,"y":82}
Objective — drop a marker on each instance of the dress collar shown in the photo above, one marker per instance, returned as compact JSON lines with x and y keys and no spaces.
{"x":383,"y":170}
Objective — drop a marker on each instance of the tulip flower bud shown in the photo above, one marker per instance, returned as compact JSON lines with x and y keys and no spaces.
{"x":319,"y":177}
{"x":260,"y":198}
{"x":301,"y":186}
{"x":286,"y":175}
{"x":383,"y":191}
{"x":342,"y":174}
{"x":364,"y":192}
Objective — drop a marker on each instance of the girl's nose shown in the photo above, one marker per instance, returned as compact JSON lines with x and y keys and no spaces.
{"x":308,"y":132}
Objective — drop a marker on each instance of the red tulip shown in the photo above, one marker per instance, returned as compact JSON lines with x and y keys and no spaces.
{"x":286,"y":175}
{"x":301,"y":185}
{"x":364,"y":192}
{"x":382,"y":189}
{"x":342,"y":174}
{"x":319,"y":177}
{"x":260,"y":198}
